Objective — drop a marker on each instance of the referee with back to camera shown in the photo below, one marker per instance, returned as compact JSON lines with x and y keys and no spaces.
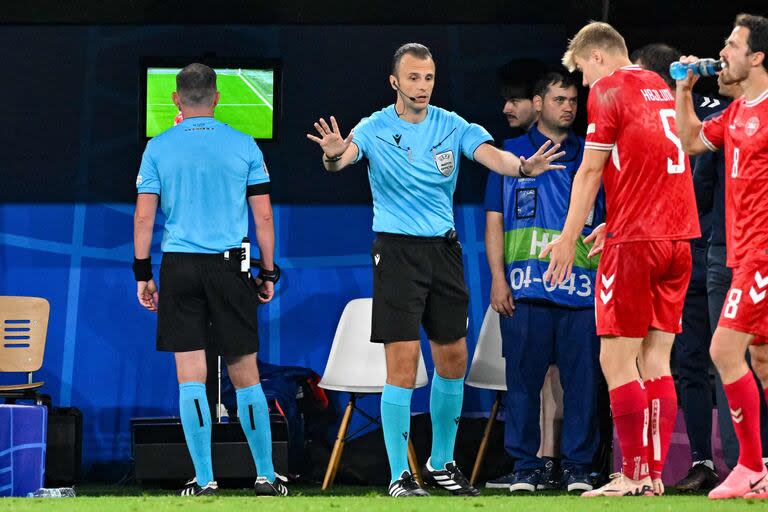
{"x":205,"y":174}
{"x":413,"y":151}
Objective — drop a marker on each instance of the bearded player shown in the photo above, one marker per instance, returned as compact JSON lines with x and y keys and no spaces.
{"x":742,"y":129}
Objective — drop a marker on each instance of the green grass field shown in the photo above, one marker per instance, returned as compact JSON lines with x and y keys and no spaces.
{"x":362,"y":499}
{"x":246,"y":102}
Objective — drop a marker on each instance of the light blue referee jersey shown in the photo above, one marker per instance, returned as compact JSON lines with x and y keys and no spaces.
{"x":412,"y":168}
{"x":201,"y":169}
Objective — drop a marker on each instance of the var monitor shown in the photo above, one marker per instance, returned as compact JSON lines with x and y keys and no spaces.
{"x":248,"y":103}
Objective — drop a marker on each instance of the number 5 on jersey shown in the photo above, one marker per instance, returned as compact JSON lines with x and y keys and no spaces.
{"x":672,"y":167}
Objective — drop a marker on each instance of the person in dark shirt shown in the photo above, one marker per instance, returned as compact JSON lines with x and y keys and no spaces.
{"x":691,"y":347}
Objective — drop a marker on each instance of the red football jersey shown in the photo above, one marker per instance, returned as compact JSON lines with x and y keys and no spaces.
{"x":647,"y":179}
{"x":742,"y":129}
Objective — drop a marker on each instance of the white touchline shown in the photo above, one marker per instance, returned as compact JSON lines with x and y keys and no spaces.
{"x":218,"y":105}
{"x":265,"y":100}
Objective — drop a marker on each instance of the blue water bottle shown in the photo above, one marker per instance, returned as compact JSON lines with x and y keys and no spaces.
{"x":702,"y":67}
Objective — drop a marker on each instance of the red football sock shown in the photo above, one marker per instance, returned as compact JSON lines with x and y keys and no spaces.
{"x":662,"y":404}
{"x":744,"y":402}
{"x":629,"y":404}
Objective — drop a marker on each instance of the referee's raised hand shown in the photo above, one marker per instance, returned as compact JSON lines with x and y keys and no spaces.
{"x":541,"y":160}
{"x":330,"y":139}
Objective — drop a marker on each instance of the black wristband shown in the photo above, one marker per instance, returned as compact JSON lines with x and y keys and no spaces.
{"x":270,"y":275}
{"x":331,"y":159}
{"x":522,"y":173}
{"x":142,"y":269}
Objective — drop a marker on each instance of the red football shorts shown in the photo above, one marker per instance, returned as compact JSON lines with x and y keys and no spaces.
{"x":642,"y":285}
{"x":746,"y":305}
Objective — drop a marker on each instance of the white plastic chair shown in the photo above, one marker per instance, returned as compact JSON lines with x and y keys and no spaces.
{"x":357,"y":366}
{"x":487,"y":371}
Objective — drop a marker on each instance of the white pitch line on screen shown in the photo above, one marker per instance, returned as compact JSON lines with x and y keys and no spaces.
{"x":218,"y":105}
{"x":250,"y":86}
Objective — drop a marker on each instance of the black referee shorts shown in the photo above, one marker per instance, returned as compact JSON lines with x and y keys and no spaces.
{"x":206,"y":303}
{"x":418,"y":280}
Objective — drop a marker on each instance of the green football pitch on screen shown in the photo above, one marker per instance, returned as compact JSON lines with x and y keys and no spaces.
{"x":246,"y":103}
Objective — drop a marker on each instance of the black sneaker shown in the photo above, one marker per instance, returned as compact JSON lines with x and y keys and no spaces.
{"x":502,"y":482}
{"x":406,"y":486}
{"x":525,"y":480}
{"x":551,"y":476}
{"x":192,"y":489}
{"x":450,"y":478}
{"x":264,"y":487}
{"x":574,"y":481}
{"x":699,"y":478}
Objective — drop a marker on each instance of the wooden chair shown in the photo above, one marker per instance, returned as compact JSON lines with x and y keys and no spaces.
{"x":24,"y":324}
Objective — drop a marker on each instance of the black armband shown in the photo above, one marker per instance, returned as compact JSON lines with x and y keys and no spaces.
{"x":142,"y":269}
{"x":257,"y":190}
{"x":331,"y":159}
{"x":270,"y":275}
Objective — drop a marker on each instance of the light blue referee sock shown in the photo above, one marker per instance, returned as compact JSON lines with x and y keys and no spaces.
{"x":196,"y":422}
{"x":445,"y":407}
{"x":254,"y":418}
{"x":396,"y":424}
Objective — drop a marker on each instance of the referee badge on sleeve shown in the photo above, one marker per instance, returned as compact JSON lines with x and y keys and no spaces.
{"x":444,"y":162}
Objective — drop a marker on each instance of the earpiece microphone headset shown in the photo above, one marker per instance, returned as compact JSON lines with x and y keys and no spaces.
{"x":401,"y":93}
{"x":398,"y":89}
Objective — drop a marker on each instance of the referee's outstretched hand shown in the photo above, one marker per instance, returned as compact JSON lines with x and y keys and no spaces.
{"x":146,"y":291}
{"x":330,"y":139}
{"x":541,"y":160}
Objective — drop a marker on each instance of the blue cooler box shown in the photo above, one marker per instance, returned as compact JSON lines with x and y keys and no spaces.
{"x":22,"y":448}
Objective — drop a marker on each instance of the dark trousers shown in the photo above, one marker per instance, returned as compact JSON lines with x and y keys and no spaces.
{"x":533,"y":339}
{"x":691,"y":358}
{"x":718,"y":284}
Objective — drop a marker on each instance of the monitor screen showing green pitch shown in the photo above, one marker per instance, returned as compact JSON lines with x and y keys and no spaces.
{"x":246,"y":103}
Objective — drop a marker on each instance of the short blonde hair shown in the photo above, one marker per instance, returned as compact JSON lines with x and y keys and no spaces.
{"x":595,"y":34}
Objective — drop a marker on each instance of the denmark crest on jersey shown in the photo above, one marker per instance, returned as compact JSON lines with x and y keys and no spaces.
{"x":752,"y":125}
{"x":445,"y":162}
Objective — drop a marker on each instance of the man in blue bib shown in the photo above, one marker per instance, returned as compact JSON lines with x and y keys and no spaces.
{"x":540,"y":324}
{"x":413,"y":152}
{"x":205,"y":174}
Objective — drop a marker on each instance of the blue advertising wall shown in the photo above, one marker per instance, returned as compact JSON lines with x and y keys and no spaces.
{"x":100,"y":354}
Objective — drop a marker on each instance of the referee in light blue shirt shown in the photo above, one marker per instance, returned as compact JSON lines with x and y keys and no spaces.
{"x":413,"y":152}
{"x":204,"y":174}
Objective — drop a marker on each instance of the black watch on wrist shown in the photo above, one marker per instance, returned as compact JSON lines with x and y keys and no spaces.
{"x":270,"y":275}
